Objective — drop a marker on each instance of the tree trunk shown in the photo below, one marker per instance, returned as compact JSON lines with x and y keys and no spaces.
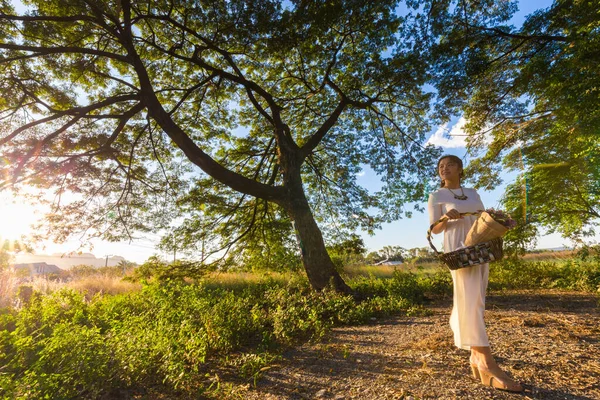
{"x":317,"y":263}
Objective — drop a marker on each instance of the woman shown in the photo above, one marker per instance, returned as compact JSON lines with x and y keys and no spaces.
{"x":466,"y":319}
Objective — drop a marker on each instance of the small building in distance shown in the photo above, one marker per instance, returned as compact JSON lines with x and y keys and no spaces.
{"x":68,"y":260}
{"x":35,"y":269}
{"x":389,"y":262}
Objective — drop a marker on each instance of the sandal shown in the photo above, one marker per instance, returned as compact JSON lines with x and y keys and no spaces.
{"x":487,"y":378}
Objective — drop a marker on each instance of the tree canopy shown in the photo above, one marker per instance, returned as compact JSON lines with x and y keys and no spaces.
{"x":531,"y":97}
{"x":234,"y":115}
{"x":226,"y":122}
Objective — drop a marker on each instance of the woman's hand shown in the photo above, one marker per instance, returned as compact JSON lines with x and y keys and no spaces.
{"x":453,"y":214}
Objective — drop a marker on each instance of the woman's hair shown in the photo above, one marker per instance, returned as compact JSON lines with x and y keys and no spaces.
{"x":453,"y":158}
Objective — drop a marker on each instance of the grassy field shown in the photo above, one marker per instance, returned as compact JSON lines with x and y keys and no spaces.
{"x":105,"y":335}
{"x":550,"y":255}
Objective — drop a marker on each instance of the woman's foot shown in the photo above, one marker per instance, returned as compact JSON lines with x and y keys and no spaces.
{"x":486,"y":370}
{"x":496,"y":379}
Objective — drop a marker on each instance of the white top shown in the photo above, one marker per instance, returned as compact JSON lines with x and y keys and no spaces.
{"x":441,"y":201}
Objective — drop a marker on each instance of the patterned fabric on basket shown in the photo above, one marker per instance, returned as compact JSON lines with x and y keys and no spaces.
{"x":480,"y":253}
{"x":473,"y":255}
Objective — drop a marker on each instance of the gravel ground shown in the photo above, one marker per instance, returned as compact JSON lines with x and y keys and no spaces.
{"x":549,"y":341}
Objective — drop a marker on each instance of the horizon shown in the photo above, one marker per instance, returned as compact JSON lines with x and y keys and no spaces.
{"x":68,"y":262}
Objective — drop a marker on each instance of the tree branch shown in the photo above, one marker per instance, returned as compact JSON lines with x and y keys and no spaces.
{"x":500,"y":32}
{"x":75,"y":111}
{"x":29,"y":18}
{"x":232,"y":179}
{"x":316,"y":138}
{"x":45,"y":51}
{"x":37,"y":148}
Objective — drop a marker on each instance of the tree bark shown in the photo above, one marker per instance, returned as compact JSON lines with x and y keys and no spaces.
{"x":317,"y":263}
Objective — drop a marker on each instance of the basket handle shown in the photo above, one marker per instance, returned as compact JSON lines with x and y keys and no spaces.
{"x":440,"y":221}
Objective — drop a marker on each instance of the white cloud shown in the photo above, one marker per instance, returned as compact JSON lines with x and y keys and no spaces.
{"x":450,"y":138}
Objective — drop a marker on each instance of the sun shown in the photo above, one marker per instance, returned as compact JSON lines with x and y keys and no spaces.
{"x":16,"y":217}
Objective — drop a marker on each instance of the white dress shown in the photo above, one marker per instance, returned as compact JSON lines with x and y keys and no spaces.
{"x":470,"y":283}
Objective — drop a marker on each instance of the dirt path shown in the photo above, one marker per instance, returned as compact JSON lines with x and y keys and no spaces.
{"x":550,"y":341}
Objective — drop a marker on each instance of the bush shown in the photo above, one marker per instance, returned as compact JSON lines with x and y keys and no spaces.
{"x":171,"y":333}
{"x":407,"y":285}
{"x":572,"y":274}
{"x":73,"y":362}
{"x":439,"y":284}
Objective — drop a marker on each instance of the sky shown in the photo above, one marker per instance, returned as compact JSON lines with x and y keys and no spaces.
{"x":17,"y":216}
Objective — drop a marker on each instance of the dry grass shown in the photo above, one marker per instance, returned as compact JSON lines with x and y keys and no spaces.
{"x":433,"y":342}
{"x":43,"y":285}
{"x":387,"y":271}
{"x":8,"y":285}
{"x":240,"y":280}
{"x":237,"y":280}
{"x":233,"y":280}
{"x":378,"y":271}
{"x":103,"y":285}
{"x":549,"y":255}
{"x":89,"y":285}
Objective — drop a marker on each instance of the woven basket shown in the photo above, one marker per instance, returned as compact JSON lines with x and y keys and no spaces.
{"x":479,"y":253}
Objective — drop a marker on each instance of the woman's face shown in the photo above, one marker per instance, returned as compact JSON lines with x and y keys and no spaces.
{"x":449,"y":170}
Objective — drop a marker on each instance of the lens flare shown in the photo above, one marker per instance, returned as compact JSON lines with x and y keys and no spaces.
{"x":525,"y":188}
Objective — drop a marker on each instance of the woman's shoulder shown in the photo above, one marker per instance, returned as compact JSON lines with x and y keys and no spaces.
{"x":436,"y":194}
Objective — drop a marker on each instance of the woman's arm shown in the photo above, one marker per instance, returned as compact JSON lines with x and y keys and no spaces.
{"x":441,"y":227}
{"x":435,"y":211}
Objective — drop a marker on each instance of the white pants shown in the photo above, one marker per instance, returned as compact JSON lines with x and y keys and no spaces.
{"x":466,"y":320}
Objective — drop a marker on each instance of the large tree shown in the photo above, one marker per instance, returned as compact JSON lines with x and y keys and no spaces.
{"x":262,"y":111}
{"x":532,"y":100}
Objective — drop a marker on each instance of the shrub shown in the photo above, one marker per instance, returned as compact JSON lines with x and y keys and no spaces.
{"x":170,"y":332}
{"x":73,"y":362}
{"x":406,"y":284}
{"x":439,"y":284}
{"x":573,"y":274}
